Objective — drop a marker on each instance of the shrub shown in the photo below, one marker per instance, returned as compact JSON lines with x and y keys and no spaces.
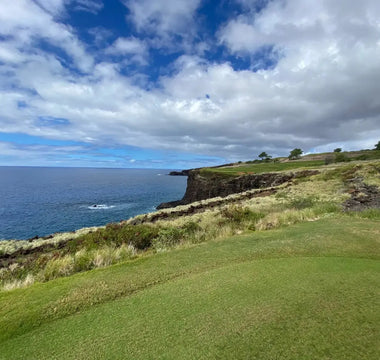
{"x":362,"y":157}
{"x":83,"y":261}
{"x":191,"y":227}
{"x":110,"y":255}
{"x":168,"y":238}
{"x":139,"y":236}
{"x":341,"y":157}
{"x":329,"y":160}
{"x":238,"y":214}
{"x":57,"y":267}
{"x":338,"y":150}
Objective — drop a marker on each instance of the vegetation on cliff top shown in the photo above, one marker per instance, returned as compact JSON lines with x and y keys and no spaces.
{"x":266,"y":164}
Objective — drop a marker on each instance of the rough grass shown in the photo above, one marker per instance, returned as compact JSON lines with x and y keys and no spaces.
{"x":10,"y":246}
{"x":307,"y":291}
{"x":262,"y":167}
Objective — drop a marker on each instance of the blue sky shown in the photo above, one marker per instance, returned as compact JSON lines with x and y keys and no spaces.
{"x":185,"y":83}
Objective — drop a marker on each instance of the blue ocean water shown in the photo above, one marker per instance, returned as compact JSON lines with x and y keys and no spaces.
{"x":41,"y":201}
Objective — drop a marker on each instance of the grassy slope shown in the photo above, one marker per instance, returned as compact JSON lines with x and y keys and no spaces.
{"x":307,"y":161}
{"x":308,"y":291}
{"x":263,"y":167}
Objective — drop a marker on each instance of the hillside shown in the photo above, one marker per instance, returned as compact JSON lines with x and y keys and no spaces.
{"x":289,"y":270}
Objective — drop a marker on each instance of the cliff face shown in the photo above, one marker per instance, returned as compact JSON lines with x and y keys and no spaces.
{"x":201,"y":187}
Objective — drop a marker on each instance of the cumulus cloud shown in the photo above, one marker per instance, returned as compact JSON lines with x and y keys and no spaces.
{"x":322,"y":91}
{"x":168,"y":24}
{"x":162,"y":16}
{"x":133,"y":47}
{"x":24,"y":24}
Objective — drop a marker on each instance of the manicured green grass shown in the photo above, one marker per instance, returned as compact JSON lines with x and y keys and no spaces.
{"x":293,"y":308}
{"x":308,"y":291}
{"x":262,"y":167}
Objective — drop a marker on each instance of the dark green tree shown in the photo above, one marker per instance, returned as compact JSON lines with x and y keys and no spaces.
{"x":338,"y":150}
{"x":295,"y":154}
{"x":377,"y":146}
{"x":264,"y":156}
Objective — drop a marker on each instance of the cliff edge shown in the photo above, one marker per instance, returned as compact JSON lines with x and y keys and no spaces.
{"x":205,"y":186}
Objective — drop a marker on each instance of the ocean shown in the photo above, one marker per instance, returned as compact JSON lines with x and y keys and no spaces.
{"x":42,"y":201}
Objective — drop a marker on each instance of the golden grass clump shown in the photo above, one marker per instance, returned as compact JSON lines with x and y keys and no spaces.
{"x":58,"y":267}
{"x":17,"y":284}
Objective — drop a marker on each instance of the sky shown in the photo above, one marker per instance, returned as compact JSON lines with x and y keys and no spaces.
{"x":185,"y":83}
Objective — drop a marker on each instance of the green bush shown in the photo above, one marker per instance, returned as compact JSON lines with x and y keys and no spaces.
{"x":341,"y":157}
{"x":362,"y":157}
{"x":168,"y":237}
{"x":83,"y":261}
{"x":191,"y":227}
{"x":139,"y":236}
{"x":238,"y":214}
{"x":61,"y":267}
{"x":329,"y":160}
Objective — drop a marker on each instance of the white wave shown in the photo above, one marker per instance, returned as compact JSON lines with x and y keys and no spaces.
{"x":101,"y":207}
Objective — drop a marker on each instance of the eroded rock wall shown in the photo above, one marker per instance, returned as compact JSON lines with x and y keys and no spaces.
{"x":200,"y":187}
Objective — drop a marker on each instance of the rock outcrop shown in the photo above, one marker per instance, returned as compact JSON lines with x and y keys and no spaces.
{"x":201,"y":187}
{"x":179,"y":173}
{"x":363,"y":196}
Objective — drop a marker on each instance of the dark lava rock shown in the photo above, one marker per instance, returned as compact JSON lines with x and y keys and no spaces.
{"x":363,"y":196}
{"x":179,"y":173}
{"x":205,"y":187}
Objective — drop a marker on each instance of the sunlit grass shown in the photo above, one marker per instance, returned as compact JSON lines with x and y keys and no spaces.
{"x":262,"y":167}
{"x":306,"y":290}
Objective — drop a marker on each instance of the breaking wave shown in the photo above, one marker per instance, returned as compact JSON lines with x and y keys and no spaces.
{"x":101,"y":207}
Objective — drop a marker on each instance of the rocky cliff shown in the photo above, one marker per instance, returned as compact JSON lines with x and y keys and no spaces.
{"x":201,"y":187}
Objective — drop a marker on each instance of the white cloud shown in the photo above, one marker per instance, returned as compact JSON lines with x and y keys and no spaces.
{"x":54,"y":7}
{"x":162,"y":16}
{"x":133,"y":47}
{"x":294,"y":24}
{"x":57,"y":8}
{"x":169,"y":25}
{"x":101,"y":35}
{"x":322,"y":92}
{"x":91,"y":6}
{"x":25,"y":23}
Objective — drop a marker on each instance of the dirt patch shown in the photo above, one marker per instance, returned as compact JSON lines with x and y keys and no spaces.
{"x":363,"y":196}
